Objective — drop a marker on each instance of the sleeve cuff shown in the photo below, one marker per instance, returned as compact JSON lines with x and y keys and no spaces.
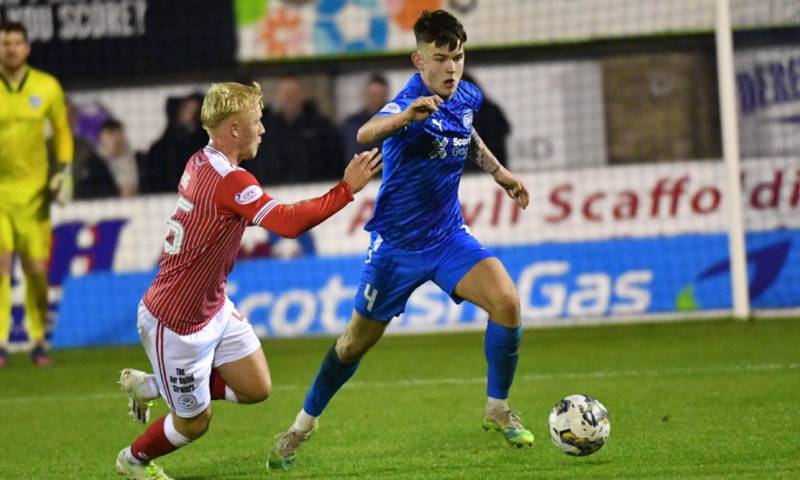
{"x":347,"y":189}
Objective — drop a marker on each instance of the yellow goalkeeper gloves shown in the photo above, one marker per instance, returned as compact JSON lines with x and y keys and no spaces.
{"x":61,"y":184}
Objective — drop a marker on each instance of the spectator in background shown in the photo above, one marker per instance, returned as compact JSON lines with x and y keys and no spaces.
{"x":493,"y":125}
{"x":113,"y":147}
{"x":302,"y":144}
{"x":163,"y":165}
{"x":375,"y":96}
{"x":86,"y":118}
{"x":111,"y":170}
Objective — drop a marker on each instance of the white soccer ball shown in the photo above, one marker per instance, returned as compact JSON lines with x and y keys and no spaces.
{"x":579,"y":425}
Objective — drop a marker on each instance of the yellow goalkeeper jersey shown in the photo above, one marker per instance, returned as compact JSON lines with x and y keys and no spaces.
{"x":24,"y":109}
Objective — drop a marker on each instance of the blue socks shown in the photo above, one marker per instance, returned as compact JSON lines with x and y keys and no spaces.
{"x":330,"y":378}
{"x":500,"y":345}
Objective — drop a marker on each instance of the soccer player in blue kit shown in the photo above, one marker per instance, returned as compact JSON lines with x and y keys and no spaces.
{"x":418,"y":232}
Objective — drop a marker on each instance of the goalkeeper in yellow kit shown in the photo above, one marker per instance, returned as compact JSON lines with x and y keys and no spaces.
{"x":28,"y":99}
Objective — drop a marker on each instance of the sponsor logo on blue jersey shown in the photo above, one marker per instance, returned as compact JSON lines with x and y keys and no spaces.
{"x":415,"y":210}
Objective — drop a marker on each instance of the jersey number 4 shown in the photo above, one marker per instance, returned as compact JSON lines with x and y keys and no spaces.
{"x":174,"y":240}
{"x":371,"y":294}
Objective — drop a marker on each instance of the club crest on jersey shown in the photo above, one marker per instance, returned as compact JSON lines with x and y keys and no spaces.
{"x":467,"y":119}
{"x":248,"y":195}
{"x":35,"y":101}
{"x":391,"y":108}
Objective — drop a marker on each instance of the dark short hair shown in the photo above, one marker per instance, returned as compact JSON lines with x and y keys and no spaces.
{"x":378,"y":78}
{"x":441,"y":28}
{"x":9,"y":27}
{"x":111,"y":123}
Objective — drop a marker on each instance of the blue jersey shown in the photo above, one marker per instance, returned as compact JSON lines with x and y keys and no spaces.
{"x":417,"y":205}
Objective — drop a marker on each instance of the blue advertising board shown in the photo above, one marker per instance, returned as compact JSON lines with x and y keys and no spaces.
{"x":557,"y":282}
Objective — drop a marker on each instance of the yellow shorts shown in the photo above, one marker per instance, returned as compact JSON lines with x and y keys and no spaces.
{"x":25,"y":234}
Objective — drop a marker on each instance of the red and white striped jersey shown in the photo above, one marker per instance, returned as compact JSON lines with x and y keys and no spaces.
{"x":217,"y":200}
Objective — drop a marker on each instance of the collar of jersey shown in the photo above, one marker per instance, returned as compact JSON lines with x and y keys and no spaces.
{"x":21,"y":83}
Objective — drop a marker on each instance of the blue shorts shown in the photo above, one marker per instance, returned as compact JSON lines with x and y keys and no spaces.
{"x":391,"y":274}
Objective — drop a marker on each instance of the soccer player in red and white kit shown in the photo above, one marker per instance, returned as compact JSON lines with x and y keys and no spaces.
{"x":200,"y":347}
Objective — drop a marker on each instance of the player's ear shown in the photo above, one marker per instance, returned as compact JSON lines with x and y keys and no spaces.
{"x":417,"y":60}
{"x":235,"y":129}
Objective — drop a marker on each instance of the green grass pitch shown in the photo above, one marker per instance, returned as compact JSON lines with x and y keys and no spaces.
{"x":713,"y":399}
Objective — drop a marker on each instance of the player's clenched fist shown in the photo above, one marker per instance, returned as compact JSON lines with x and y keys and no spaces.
{"x":362,"y":168}
{"x":423,"y":107}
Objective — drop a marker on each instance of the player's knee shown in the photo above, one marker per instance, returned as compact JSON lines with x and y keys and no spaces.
{"x":257,"y":393}
{"x":201,"y":423}
{"x":264,"y":391}
{"x":505,"y":307}
{"x":350,"y":351}
{"x":194,"y":428}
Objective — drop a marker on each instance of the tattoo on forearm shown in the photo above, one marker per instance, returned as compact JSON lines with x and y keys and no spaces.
{"x":480,"y":154}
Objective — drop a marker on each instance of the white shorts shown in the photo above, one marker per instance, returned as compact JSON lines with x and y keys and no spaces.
{"x":182,"y":363}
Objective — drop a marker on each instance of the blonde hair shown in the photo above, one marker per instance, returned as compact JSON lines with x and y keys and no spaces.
{"x":226,"y":99}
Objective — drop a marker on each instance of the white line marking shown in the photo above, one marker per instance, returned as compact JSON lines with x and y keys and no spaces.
{"x":414,"y":382}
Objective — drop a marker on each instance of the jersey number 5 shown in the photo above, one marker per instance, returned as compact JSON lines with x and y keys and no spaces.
{"x":173,"y":245}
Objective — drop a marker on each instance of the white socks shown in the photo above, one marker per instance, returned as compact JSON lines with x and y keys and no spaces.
{"x":303,"y":423}
{"x":492,"y":403}
{"x":230,"y":395}
{"x":129,"y":456}
{"x":175,"y":437}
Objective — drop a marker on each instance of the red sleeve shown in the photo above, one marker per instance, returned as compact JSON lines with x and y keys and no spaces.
{"x":237,"y":192}
{"x":292,"y":220}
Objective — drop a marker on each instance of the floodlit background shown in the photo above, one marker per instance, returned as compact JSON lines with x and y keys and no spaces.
{"x":610,"y":111}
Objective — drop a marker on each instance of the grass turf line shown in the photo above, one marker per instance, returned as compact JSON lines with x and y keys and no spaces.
{"x":698,"y":399}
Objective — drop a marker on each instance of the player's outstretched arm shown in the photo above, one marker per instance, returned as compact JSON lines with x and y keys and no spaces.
{"x":380,"y":127}
{"x":295,"y":219}
{"x":480,"y":154}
